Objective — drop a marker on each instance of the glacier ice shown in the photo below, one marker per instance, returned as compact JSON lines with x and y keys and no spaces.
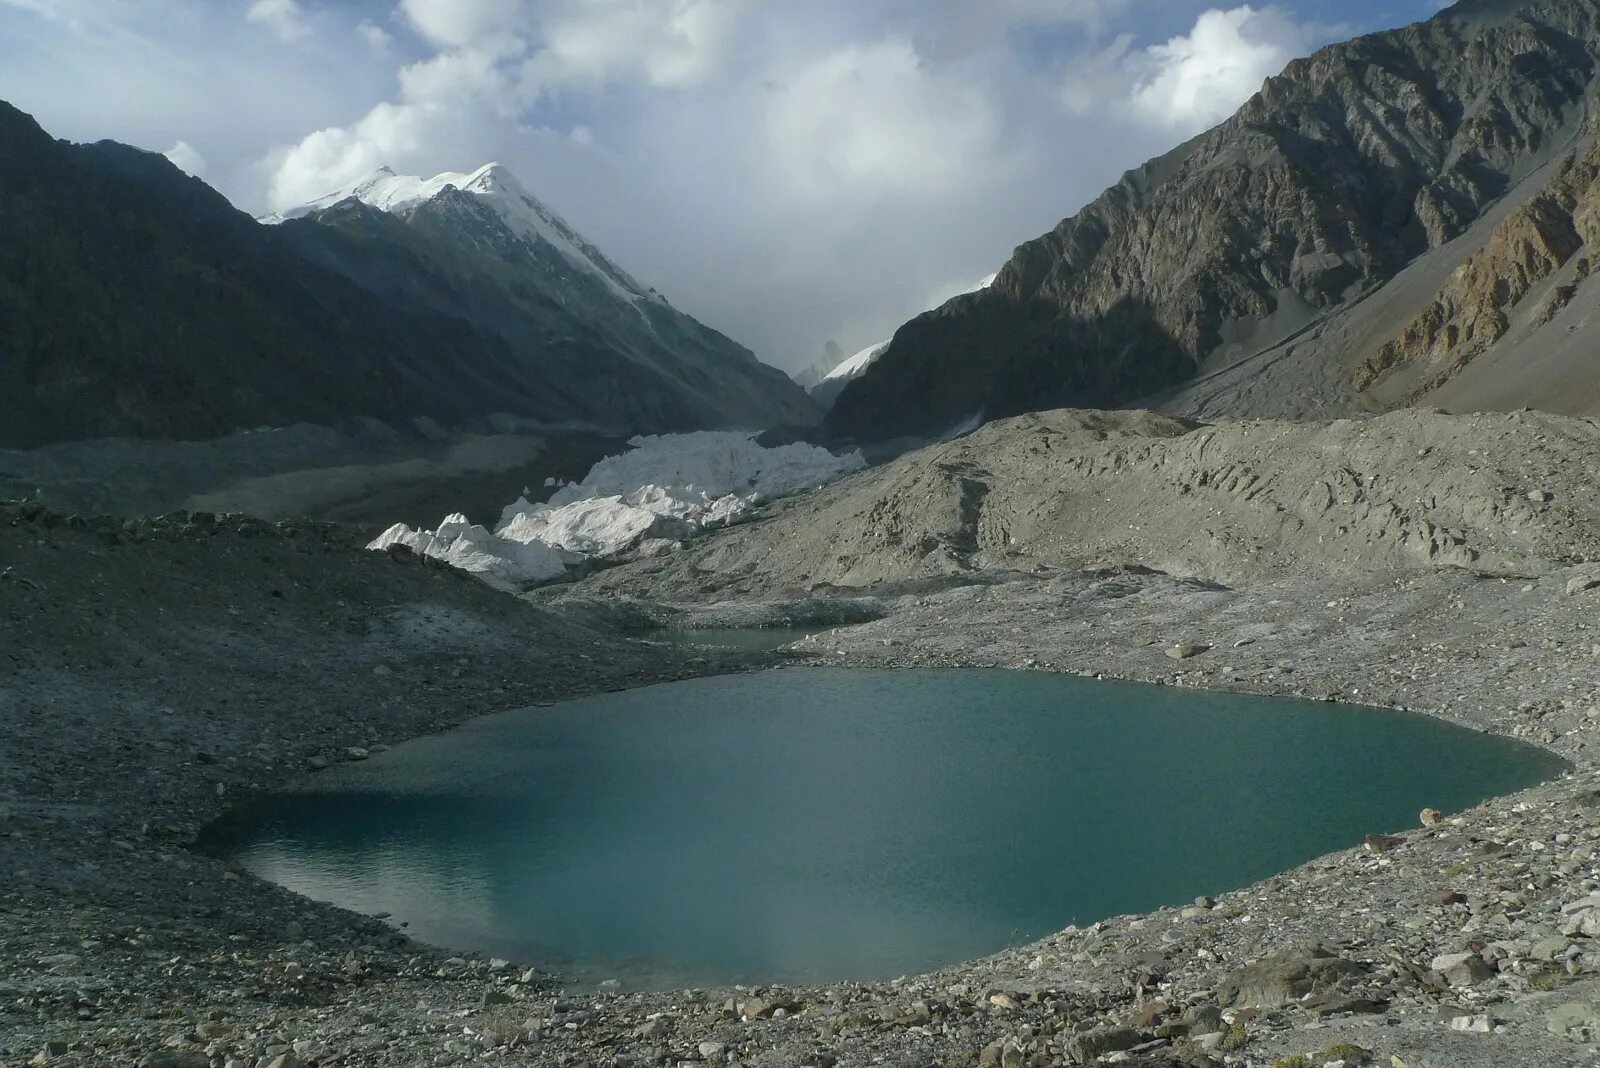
{"x":667,"y":489}
{"x":470,"y":547}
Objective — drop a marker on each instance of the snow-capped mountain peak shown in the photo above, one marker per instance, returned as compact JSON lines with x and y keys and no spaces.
{"x":523,"y":213}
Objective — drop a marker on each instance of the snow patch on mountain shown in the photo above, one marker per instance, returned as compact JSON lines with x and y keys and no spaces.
{"x":668,"y":489}
{"x":853,"y":366}
{"x":523,"y":213}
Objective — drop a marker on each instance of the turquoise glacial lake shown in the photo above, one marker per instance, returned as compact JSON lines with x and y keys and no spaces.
{"x":818,"y":824}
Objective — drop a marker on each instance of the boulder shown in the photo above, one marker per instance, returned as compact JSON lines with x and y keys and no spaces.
{"x":173,"y":1058}
{"x":762,"y":1008}
{"x":1383,"y":843}
{"x":1577,"y":1020}
{"x":1581,"y":917}
{"x":1461,"y":969}
{"x":1090,"y":1046}
{"x":53,"y":1051}
{"x":1549,"y":948}
{"x":1338,"y":1004}
{"x":1287,"y":977}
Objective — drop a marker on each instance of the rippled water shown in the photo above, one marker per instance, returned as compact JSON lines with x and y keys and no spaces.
{"x":827,"y":824}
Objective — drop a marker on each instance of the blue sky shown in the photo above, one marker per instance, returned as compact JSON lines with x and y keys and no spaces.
{"x":788,"y":170}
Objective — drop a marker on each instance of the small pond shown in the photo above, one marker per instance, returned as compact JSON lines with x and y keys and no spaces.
{"x":820,"y":824}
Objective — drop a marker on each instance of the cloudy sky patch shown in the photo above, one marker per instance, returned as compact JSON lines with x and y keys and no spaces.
{"x":789,"y":172}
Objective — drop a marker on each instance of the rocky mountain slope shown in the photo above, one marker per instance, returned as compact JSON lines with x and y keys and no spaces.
{"x":136,"y":301}
{"x":1309,"y":256}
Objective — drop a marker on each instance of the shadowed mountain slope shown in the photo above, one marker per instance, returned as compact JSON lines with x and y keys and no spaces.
{"x":135,"y":301}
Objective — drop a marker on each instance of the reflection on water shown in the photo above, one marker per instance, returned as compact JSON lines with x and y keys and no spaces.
{"x":823,"y":824}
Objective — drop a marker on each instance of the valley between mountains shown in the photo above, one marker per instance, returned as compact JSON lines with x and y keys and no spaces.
{"x":1306,"y":408}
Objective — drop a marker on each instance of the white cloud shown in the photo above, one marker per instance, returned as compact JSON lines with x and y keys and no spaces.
{"x":461,"y":76}
{"x":377,"y":38}
{"x":662,"y":43}
{"x":787,"y":171}
{"x":335,"y":156}
{"x":459,"y":23}
{"x":1200,"y":79}
{"x":1101,"y":80}
{"x":282,"y":17}
{"x":946,"y":28}
{"x":875,"y":119}
{"x":493,"y":60}
{"x":1195,"y":80}
{"x":187,"y":159}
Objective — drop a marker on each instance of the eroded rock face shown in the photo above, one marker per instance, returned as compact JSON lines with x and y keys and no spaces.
{"x":1342,"y":170}
{"x":1474,"y":308}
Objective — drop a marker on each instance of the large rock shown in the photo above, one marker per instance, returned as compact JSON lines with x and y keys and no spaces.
{"x":1462,"y":969}
{"x":1582,"y":584}
{"x":1287,"y":977}
{"x":764,"y":1007}
{"x":173,"y":1058}
{"x":1576,"y":1020}
{"x":1581,"y":917}
{"x":1086,"y":1048}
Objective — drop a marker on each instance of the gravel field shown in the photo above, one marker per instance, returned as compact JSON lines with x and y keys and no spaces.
{"x":158,"y":671}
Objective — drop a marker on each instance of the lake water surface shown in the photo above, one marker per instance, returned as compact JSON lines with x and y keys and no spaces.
{"x":818,"y":824}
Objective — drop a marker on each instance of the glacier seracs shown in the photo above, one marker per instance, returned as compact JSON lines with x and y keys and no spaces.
{"x":667,"y":489}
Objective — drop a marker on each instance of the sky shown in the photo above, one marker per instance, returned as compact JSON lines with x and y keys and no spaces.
{"x":788,"y":171}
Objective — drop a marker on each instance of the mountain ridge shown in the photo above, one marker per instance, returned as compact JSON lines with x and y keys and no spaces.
{"x":136,"y":301}
{"x":397,"y":194}
{"x":1344,"y":170}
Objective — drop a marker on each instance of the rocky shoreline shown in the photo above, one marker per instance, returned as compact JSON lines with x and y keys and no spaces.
{"x":159,"y":671}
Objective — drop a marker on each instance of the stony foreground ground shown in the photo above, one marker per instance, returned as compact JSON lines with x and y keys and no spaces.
{"x":155,"y":672}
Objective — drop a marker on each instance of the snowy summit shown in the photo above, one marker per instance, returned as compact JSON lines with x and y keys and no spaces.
{"x":525,"y":214}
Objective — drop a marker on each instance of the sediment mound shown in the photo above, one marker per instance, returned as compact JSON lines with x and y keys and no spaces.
{"x":1416,"y":489}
